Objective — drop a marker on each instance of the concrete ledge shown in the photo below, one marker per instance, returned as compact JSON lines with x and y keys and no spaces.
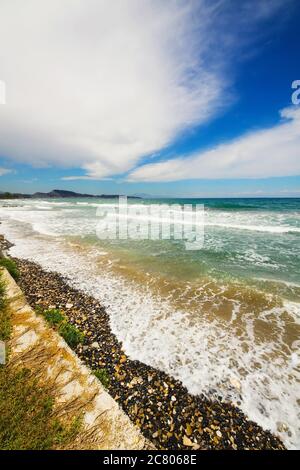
{"x":76,"y":390}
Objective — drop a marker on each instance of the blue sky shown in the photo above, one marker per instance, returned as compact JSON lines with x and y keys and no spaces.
{"x":192,"y":99}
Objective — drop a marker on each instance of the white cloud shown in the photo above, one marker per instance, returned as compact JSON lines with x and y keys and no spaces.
{"x":99,"y":84}
{"x":4,"y":171}
{"x":261,"y":154}
{"x":289,"y":191}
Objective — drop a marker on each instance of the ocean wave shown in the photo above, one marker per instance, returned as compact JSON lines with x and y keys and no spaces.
{"x":204,"y":351}
{"x":255,"y":228}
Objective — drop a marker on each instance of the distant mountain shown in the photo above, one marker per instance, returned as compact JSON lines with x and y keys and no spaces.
{"x":59,"y":193}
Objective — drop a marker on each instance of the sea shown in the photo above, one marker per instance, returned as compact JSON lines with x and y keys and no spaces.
{"x":224,"y":319}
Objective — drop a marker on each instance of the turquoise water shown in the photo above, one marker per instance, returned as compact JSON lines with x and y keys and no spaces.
{"x":224,"y":319}
{"x":250,"y":239}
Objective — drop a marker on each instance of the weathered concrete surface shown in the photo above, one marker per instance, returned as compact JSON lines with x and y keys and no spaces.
{"x":76,"y":390}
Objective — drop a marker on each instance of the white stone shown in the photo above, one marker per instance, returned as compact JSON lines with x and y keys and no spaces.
{"x":235,"y":383}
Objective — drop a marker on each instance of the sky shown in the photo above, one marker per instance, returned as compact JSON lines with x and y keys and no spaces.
{"x":188,"y":98}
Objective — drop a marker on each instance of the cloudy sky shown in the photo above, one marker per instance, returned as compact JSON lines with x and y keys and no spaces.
{"x":164,"y":97}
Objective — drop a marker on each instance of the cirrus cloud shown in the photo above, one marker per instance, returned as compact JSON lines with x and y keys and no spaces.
{"x":262,"y":154}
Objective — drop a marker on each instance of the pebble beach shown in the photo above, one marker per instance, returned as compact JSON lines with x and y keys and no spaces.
{"x":159,"y":405}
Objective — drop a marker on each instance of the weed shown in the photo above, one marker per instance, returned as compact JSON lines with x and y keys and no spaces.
{"x":103,"y":376}
{"x":11,"y":267}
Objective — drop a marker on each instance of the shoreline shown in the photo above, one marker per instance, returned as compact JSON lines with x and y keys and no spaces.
{"x":159,"y":405}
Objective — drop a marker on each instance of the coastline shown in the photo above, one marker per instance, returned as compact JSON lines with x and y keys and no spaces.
{"x":158,"y":404}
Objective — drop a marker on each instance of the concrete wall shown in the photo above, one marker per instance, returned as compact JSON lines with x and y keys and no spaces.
{"x":76,"y":390}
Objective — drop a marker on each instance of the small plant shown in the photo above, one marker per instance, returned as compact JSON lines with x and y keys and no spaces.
{"x":71,"y":334}
{"x":11,"y":267}
{"x":2,"y":294}
{"x":103,"y":376}
{"x":54,"y":316}
{"x":57,"y":319}
{"x":5,"y":315}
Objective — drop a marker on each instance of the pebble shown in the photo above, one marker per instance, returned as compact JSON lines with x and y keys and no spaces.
{"x":187,"y":442}
{"x":235,"y":383}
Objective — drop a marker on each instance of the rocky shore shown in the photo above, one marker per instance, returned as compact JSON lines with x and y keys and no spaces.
{"x":159,"y":405}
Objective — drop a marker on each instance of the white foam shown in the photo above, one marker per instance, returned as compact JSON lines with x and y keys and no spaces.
{"x":252,"y":221}
{"x":91,"y":204}
{"x":52,"y":203}
{"x":279,"y":281}
{"x":43,"y":208}
{"x":255,"y":228}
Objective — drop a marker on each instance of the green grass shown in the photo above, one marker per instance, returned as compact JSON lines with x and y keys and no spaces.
{"x":27,"y":417}
{"x":57,"y":319}
{"x":103,"y":376}
{"x":27,"y":420}
{"x":54,"y":316}
{"x":71,"y":334}
{"x":11,"y":267}
{"x":5,"y":323}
